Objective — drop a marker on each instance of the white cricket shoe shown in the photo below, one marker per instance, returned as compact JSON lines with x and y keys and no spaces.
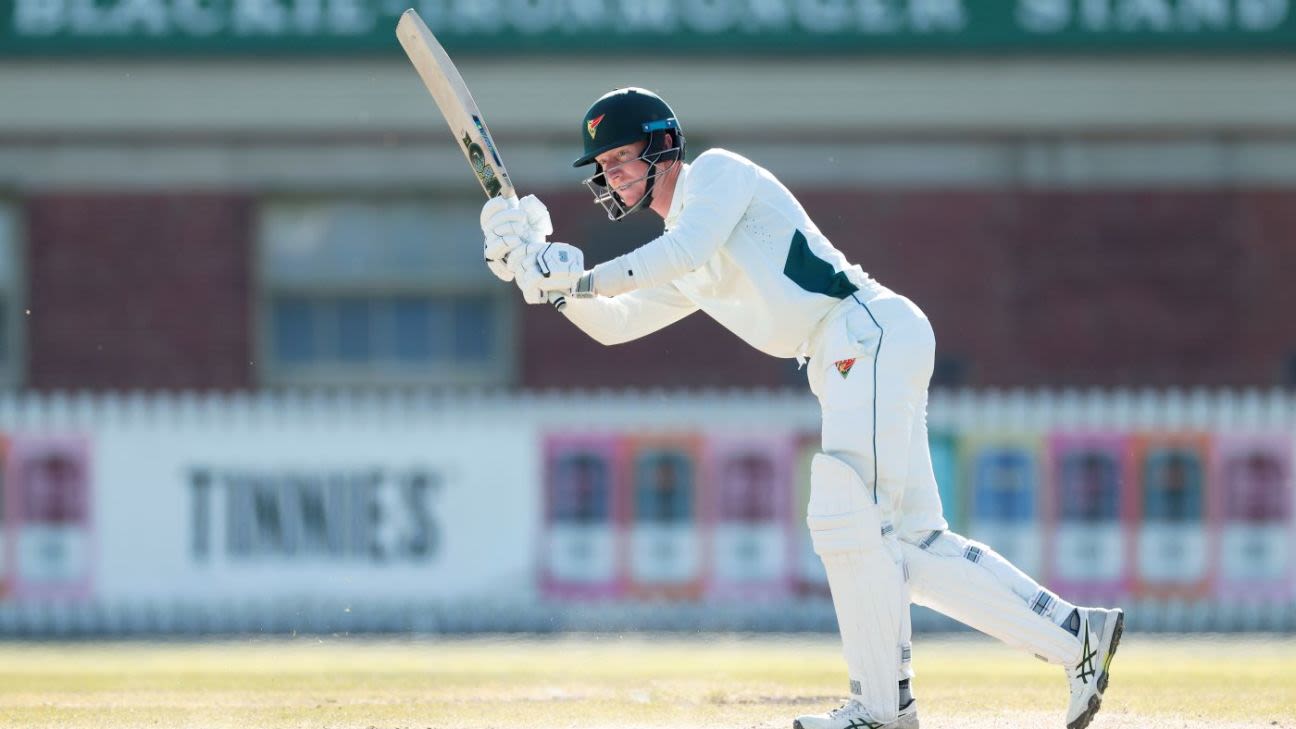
{"x":1100,"y":631}
{"x":852,"y":715}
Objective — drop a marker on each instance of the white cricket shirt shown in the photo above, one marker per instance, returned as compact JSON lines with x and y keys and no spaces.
{"x":737,"y":246}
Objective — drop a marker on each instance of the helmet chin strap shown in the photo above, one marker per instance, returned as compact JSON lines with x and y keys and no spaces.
{"x":648,"y":186}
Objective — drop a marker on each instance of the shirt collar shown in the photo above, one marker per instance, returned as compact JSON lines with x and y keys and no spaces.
{"x":677,"y":199}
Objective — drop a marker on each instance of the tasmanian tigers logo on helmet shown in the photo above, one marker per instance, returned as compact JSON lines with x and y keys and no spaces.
{"x":592,"y":125}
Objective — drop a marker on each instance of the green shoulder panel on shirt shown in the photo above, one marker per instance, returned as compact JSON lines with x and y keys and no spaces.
{"x":813,"y":273}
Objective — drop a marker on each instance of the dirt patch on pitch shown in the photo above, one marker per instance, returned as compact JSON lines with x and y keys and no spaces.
{"x":820,"y":701}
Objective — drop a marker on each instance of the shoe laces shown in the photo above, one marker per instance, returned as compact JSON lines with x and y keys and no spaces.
{"x":1087,"y":668}
{"x":850,"y":707}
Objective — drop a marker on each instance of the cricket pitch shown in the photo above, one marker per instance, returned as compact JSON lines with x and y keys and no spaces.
{"x":638,"y":681}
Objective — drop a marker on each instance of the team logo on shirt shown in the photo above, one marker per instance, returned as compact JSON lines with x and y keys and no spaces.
{"x":592,"y":125}
{"x":844,"y":366}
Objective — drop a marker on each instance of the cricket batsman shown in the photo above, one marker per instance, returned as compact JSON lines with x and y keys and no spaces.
{"x":738,"y":246}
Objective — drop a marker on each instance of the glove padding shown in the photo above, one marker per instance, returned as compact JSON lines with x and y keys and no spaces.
{"x":507,"y":224}
{"x":547,"y":272}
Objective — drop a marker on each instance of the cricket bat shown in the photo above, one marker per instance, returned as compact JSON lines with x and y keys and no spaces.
{"x":451,"y":94}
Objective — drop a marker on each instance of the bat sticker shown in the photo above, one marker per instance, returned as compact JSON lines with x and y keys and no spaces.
{"x":483,"y":170}
{"x":486,"y":137}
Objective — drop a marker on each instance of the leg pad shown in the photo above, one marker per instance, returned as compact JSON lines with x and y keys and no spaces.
{"x":867,"y":583}
{"x":841,"y":515}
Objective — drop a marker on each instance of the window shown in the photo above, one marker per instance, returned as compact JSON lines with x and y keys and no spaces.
{"x":11,"y":298}
{"x":369,"y":292}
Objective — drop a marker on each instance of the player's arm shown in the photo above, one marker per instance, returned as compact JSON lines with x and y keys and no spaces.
{"x":608,"y":320}
{"x":515,"y":247}
{"x":628,"y":316}
{"x":719,"y":190}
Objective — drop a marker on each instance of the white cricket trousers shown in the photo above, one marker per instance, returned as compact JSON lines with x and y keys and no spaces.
{"x":870,"y":366}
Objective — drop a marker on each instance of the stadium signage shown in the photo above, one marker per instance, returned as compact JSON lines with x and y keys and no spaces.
{"x":362,"y":514}
{"x":68,"y":27}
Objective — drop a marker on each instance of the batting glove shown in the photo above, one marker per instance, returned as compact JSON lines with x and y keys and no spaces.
{"x":508,"y":224}
{"x":551,"y":272}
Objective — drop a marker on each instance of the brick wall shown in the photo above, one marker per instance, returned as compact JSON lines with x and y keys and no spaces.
{"x":138,"y":291}
{"x":1152,"y":287}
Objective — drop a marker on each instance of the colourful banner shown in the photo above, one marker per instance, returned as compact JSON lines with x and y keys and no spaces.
{"x":584,"y":538}
{"x":48,"y":490}
{"x":1173,"y":548}
{"x":1257,"y":524}
{"x":1095,"y":515}
{"x":748,"y":516}
{"x":1090,"y":515}
{"x":1004,"y":477}
{"x":665,"y":550}
{"x":711,"y":514}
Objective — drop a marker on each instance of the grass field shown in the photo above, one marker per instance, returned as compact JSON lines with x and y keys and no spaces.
{"x":611,"y":681}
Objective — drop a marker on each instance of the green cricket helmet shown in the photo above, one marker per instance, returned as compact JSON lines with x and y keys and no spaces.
{"x":622,"y":117}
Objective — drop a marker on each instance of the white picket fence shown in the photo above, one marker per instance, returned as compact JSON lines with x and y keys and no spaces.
{"x":482,"y":443}
{"x":961,"y":410}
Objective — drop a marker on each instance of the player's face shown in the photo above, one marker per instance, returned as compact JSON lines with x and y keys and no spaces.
{"x":625,"y":172}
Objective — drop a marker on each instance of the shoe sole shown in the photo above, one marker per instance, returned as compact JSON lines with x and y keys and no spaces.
{"x":1095,"y":701}
{"x":796,"y":724}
